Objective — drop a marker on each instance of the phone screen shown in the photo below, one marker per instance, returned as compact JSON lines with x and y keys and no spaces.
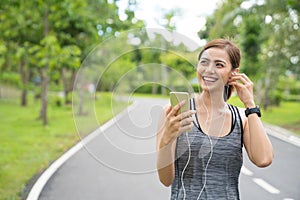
{"x":176,"y":97}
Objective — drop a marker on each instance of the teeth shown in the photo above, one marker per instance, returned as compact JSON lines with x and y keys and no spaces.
{"x":210,"y":79}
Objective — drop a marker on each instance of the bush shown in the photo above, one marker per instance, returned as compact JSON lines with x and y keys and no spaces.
{"x":10,"y":78}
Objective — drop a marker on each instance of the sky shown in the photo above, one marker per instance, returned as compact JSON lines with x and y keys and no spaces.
{"x":190,"y":20}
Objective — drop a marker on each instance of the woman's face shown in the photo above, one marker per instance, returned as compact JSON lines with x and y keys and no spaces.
{"x":214,"y":69}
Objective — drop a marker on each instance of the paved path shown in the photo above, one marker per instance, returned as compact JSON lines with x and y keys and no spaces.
{"x":119,"y":163}
{"x":279,"y":181}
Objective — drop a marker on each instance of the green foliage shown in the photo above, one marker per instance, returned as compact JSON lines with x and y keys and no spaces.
{"x":289,"y":88}
{"x":43,"y":38}
{"x":10,"y":78}
{"x":221,"y":24}
{"x":250,"y":43}
{"x":179,"y":63}
{"x":3,"y":50}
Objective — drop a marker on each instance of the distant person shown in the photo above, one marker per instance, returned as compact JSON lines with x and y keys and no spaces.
{"x":200,"y":150}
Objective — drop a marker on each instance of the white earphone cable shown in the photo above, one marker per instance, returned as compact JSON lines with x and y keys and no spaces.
{"x":205,"y":170}
{"x":189,"y":157}
{"x":187,"y":163}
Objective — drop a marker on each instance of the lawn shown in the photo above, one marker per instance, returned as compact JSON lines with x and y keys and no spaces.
{"x":27,"y":147}
{"x":287,"y":115}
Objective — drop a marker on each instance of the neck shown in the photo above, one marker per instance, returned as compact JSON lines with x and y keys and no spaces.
{"x":212,"y":101}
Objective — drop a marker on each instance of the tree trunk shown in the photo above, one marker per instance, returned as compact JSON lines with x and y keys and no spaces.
{"x":68,"y":83}
{"x":44,"y":77}
{"x":80,"y":103}
{"x":266,"y":102}
{"x":24,"y":97}
{"x":65,"y":84}
{"x":155,"y":78}
{"x":164,"y":80}
{"x":24,"y":74}
{"x":73,"y":78}
{"x":44,"y":96}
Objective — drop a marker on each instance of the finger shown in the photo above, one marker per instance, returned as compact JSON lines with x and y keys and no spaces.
{"x":186,"y":121}
{"x":186,"y":114}
{"x":238,"y":86}
{"x":245,"y":77}
{"x":177,"y":107}
{"x":241,"y":77}
{"x":186,"y":128}
{"x":168,"y":109}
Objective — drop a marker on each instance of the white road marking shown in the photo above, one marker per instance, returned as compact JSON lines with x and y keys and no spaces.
{"x":246,"y":171}
{"x":288,"y":199}
{"x":266,"y":186}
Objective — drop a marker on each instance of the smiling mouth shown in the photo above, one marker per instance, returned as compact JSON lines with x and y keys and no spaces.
{"x":209,"y":79}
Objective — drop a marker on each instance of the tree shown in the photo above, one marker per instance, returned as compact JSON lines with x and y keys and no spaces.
{"x":60,"y":41}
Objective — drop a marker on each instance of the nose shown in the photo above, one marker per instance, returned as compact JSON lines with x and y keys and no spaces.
{"x":210,"y":68}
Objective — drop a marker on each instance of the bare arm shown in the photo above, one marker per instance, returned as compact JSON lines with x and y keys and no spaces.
{"x":256,"y":141}
{"x":170,"y":127}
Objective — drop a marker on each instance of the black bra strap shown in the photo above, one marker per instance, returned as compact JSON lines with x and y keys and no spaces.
{"x":193,"y":107}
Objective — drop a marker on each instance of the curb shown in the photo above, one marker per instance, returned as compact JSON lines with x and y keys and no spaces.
{"x":282,"y":134}
{"x":47,"y":174}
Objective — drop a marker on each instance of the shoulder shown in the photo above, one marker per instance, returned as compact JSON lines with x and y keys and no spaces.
{"x":242,"y":114}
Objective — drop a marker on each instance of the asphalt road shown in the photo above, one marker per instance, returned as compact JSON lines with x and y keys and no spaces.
{"x":279,"y":181}
{"x":119,"y":163}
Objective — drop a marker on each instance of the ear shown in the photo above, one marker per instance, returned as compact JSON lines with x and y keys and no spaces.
{"x":236,"y":70}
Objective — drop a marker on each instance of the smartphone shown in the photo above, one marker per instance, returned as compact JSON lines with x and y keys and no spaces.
{"x":176,"y":97}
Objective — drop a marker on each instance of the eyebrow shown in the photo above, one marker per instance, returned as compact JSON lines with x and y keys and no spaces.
{"x":222,"y":61}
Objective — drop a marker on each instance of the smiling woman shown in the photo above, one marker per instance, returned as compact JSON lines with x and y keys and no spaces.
{"x":205,"y":163}
{"x":226,"y":61}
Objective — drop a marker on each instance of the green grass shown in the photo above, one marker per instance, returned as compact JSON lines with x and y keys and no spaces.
{"x":27,"y":147}
{"x":287,"y":115}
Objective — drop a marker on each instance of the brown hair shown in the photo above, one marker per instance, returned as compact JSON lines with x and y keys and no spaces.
{"x":234,"y":56}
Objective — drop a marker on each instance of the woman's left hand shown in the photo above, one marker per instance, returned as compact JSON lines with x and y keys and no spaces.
{"x":244,"y":88}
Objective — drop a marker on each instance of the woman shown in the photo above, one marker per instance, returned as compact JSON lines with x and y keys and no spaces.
{"x":200,"y":150}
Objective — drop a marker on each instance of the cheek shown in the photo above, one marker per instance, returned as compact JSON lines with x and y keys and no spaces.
{"x":199,"y":73}
{"x":200,"y":69}
{"x":226,"y":77}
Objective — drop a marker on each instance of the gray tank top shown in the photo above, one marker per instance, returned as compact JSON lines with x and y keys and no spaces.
{"x":212,"y":170}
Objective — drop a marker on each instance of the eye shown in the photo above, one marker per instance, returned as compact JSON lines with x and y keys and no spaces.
{"x":219,"y":65}
{"x":203,"y":62}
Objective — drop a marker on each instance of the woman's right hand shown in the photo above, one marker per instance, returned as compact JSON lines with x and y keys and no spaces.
{"x":175,"y":123}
